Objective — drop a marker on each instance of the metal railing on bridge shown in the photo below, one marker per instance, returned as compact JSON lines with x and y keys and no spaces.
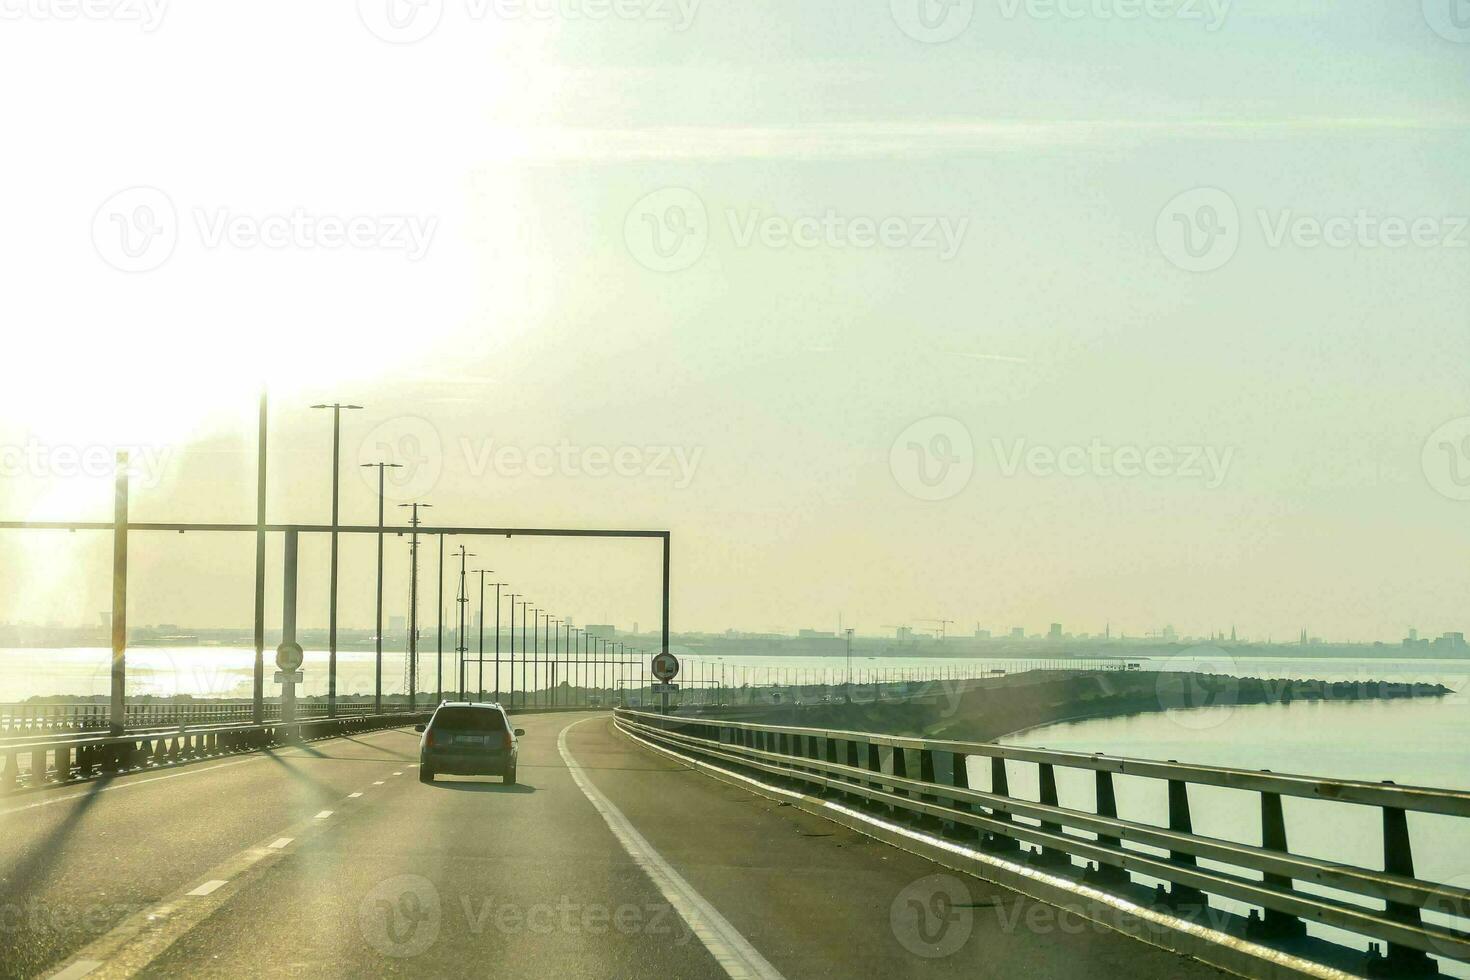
{"x":40,"y":718}
{"x":48,"y":759}
{"x":927,"y":781}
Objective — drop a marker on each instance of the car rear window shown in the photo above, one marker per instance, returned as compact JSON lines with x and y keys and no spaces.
{"x":470,"y":720}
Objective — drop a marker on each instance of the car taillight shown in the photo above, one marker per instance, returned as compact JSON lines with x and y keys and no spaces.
{"x":429,"y":739}
{"x":507,"y":737}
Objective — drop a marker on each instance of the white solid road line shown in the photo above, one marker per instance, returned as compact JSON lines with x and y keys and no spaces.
{"x":78,"y":969}
{"x":730,"y":949}
{"x":281,"y":842}
{"x":207,"y":888}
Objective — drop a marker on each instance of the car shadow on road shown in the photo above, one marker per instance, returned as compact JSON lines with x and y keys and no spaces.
{"x":479,"y":787}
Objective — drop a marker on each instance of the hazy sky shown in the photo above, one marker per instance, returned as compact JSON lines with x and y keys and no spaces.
{"x":1004,"y":312}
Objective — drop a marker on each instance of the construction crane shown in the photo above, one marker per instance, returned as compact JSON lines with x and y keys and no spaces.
{"x":941,"y":629}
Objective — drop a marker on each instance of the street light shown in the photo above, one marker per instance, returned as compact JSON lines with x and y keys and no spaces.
{"x":464,"y":598}
{"x":847,"y":693}
{"x":337,"y":409}
{"x":413,"y":606}
{"x":483,"y":572}
{"x":378,"y":687}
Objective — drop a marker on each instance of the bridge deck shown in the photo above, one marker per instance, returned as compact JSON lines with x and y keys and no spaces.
{"x":468,"y":877}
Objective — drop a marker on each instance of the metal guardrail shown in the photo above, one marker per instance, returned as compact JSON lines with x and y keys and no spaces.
{"x":26,"y":719}
{"x":855,"y":766}
{"x":60,"y":758}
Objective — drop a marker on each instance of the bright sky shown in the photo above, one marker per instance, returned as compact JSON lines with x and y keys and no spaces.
{"x":992,"y":310}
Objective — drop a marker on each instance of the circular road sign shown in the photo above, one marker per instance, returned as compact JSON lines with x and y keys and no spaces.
{"x":289,"y":656}
{"x":666,"y":667}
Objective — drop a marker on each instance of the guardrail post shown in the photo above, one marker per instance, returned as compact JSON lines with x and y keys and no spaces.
{"x":8,"y":780}
{"x":1107,"y":806}
{"x":63,"y":763}
{"x":1273,"y":837}
{"x":959,"y":769}
{"x":999,"y":786}
{"x":852,"y":763}
{"x":875,"y":764}
{"x":901,"y":770}
{"x":1047,"y":781}
{"x":1398,"y":859}
{"x":831,"y":756}
{"x":926,"y":775}
{"x":1179,"y":820}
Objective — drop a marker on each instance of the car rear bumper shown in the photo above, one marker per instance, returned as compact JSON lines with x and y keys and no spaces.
{"x":487,"y":763}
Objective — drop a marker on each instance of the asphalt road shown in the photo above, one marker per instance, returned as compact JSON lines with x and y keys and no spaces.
{"x":331,"y":859}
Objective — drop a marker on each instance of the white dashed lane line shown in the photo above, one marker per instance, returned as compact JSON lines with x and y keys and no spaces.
{"x":281,"y":842}
{"x":378,"y":783}
{"x":353,"y":796}
{"x":78,"y":969}
{"x":207,"y":888}
{"x":323,"y":815}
